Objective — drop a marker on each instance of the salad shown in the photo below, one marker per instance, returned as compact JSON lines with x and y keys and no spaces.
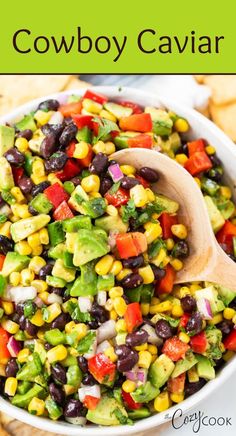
{"x":93,"y":328}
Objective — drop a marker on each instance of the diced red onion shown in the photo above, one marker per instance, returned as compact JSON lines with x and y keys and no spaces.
{"x":115,"y":172}
{"x":106,"y":331}
{"x":54,"y":298}
{"x":85,"y":304}
{"x":56,"y":118}
{"x":19,"y":294}
{"x":101,"y":298}
{"x":152,"y":336}
{"x":103,"y":346}
{"x":79,"y":420}
{"x":39,"y":303}
{"x":93,"y":391}
{"x":142,"y":375}
{"x":204,"y":307}
{"x":131,"y":375}
{"x":13,"y":346}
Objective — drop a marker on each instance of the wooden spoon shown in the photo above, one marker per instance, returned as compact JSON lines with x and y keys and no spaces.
{"x":207,"y":261}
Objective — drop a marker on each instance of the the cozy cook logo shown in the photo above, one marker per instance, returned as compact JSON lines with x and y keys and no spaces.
{"x":197,"y":420}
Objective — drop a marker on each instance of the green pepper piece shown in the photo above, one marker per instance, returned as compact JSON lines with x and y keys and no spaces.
{"x":24,"y":400}
{"x":53,"y":409}
{"x":141,"y":413}
{"x":95,"y":207}
{"x":56,"y":234}
{"x":74,"y":376}
{"x":106,"y":282}
{"x":23,"y":387}
{"x":209,"y":186}
{"x":41,"y":203}
{"x":55,"y":337}
{"x":28,"y":163}
{"x":86,"y":284}
{"x":78,"y":222}
{"x":84,"y":134}
{"x":3,"y":284}
{"x":31,"y":369}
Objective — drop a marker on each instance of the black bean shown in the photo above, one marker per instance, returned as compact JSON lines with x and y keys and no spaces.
{"x":2,"y":202}
{"x":49,"y":105}
{"x":56,"y":162}
{"x":159,"y":273}
{"x":215,"y":174}
{"x":122,"y":351}
{"x":58,"y":373}
{"x":131,"y":281}
{"x":163,"y":329}
{"x":215,"y":160}
{"x":11,"y":368}
{"x":22,"y":322}
{"x":73,"y":408}
{"x":129,"y":182}
{"x":32,"y":210}
{"x":225,"y":326}
{"x":75,"y":180}
{"x":57,"y":393}
{"x":105,"y":185}
{"x":133,"y":262}
{"x":47,"y":346}
{"x":19,"y":308}
{"x":48,"y":146}
{"x":5,"y":244}
{"x":83,"y":364}
{"x":58,"y":291}
{"x":37,"y":189}
{"x":180,"y":249}
{"x":192,"y":388}
{"x":68,"y":134}
{"x":14,"y":156}
{"x":88,"y":380}
{"x":183,"y":149}
{"x":27,"y":134}
{"x":15,"y":317}
{"x":194,"y":324}
{"x":2,"y":385}
{"x":60,"y":321}
{"x":137,"y":338}
{"x":149,"y":174}
{"x":233,"y":304}
{"x":188,"y":303}
{"x":25,"y":184}
{"x":127,"y":363}
{"x":99,"y":164}
{"x":45,"y":271}
{"x":52,"y":129}
{"x":99,"y":313}
{"x":94,"y":324}
{"x":30,"y":328}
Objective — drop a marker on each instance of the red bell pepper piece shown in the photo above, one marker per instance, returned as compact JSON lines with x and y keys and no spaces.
{"x":119,"y":198}
{"x":2,"y":258}
{"x":71,"y":169}
{"x":138,"y":123}
{"x":86,"y":161}
{"x":91,"y":402}
{"x":135,"y":107}
{"x":17,"y":173}
{"x":165,"y":285}
{"x":62,"y":212}
{"x":70,"y":108}
{"x":198,"y":343}
{"x":140,"y":141}
{"x":56,"y":194}
{"x":143,"y":181}
{"x":126,"y":246}
{"x":175,"y":349}
{"x":71,"y":148}
{"x":184,"y":320}
{"x":166,"y":221}
{"x":4,"y":353}
{"x":194,"y":146}
{"x":197,"y":163}
{"x":102,"y":368}
{"x":228,"y":230}
{"x":83,"y":121}
{"x":140,"y":242}
{"x":133,"y":316}
{"x":176,"y":385}
{"x":129,"y":402}
{"x":230,"y":341}
{"x":99,"y":98}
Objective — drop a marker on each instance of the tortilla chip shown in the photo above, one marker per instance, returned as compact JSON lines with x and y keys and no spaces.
{"x":223,"y":88}
{"x":199,"y":78}
{"x":224,"y":117}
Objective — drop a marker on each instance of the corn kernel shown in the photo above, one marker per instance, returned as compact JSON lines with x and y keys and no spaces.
{"x":2,"y":370}
{"x":37,"y":318}
{"x":177,"y":311}
{"x":210,"y":149}
{"x":11,"y":386}
{"x":155,"y":300}
{"x":113,"y":315}
{"x":147,"y":274}
{"x":99,"y":147}
{"x":116,"y":268}
{"x":81,"y":329}
{"x":153,"y":231}
{"x":127,"y":170}
{"x":109,"y":148}
{"x":152,"y":349}
{"x":69,"y":326}
{"x":177,"y":398}
{"x":142,"y":347}
{"x":216,"y":319}
{"x":157,"y":260}
{"x":53,"y":179}
{"x":38,"y":169}
{"x":81,"y":150}
{"x":124,"y":273}
{"x":34,"y":240}
{"x":23,"y":355}
{"x":10,"y":326}
{"x":52,"y":311}
{"x":229,"y":313}
{"x":129,"y":386}
{"x":150,"y":195}
{"x":111,"y":210}
{"x":165,"y":306}
{"x":198,"y":181}
{"x":145,"y":308}
{"x":194,"y":287}
{"x":121,"y":326}
{"x":91,"y":183}
{"x":107,"y":115}
{"x":145,"y":359}
{"x":22,"y":144}
{"x":43,"y":237}
{"x":36,"y":263}
{"x":8,"y":307}
{"x":226,"y":192}
{"x":36,"y":406}
{"x":162,"y":402}
{"x":16,"y":192}
{"x":109,"y":304}
{"x":15,"y":278}
{"x":170,"y":244}
{"x":181,"y":158}
{"x":117,"y":291}
{"x":91,"y":106}
{"x":139,"y":195}
{"x":23,"y":248}
{"x":42,"y":117}
{"x":110,"y":353}
{"x":184,"y":337}
{"x":40,"y":285}
{"x":5,"y":229}
{"x":57,"y":353}
{"x":70,"y":390}
{"x":181,"y":125}
{"x":234,"y":319}
{"x":120,"y":306}
{"x":27,"y":276}
{"x":179,"y":230}
{"x":104,"y":265}
{"x":177,"y":264}
{"x":36,"y":251}
{"x":37,"y":180}
{"x":228,"y":355}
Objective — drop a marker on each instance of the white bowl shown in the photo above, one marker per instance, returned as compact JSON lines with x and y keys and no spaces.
{"x":226,"y":150}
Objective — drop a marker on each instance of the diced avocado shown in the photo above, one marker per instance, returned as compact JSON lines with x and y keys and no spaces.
{"x":160,"y":370}
{"x":77,"y":197}
{"x":89,"y":246}
{"x":55,"y":337}
{"x":157,"y":114}
{"x":211,"y":295}
{"x":67,"y":259}
{"x":26,"y":123}
{"x":145,"y":393}
{"x":108,"y":223}
{"x":117,"y":110}
{"x":214,"y":343}
{"x":69,"y":361}
{"x":24,"y":400}
{"x":14,"y":262}
{"x":74,"y":376}
{"x":23,"y":387}
{"x":54,"y":410}
{"x":41,"y":203}
{"x":28,"y":163}
{"x":25,"y":227}
{"x":95,"y":207}
{"x":209,"y":186}
{"x":226,"y":294}
{"x":7,"y":136}
{"x":6,"y":176}
{"x":30,"y":369}
{"x":204,"y":368}
{"x":84,"y":134}
{"x":3,"y":284}
{"x":39,"y":348}
{"x":169,"y":206}
{"x":86,"y":283}
{"x":56,"y":234}
{"x":106,"y":282}
{"x":78,"y":222}
{"x":162,"y":127}
{"x":105,"y":412}
{"x":141,"y":413}
{"x":228,"y":210}
{"x":59,"y":270}
{"x":55,"y":282}
{"x":184,"y":365}
{"x":121,"y":142}
{"x":71,"y":242}
{"x":216,"y":218}
{"x":57,"y":251}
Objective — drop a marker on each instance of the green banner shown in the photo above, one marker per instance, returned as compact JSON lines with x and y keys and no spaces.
{"x":127,"y":36}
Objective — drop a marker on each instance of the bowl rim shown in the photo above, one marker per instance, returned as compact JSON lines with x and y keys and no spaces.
{"x":158,"y":419}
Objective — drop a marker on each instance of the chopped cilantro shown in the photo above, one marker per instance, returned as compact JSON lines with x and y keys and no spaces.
{"x":86,"y":342}
{"x":129,"y":211}
{"x":105,"y":127}
{"x":114,"y":188}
